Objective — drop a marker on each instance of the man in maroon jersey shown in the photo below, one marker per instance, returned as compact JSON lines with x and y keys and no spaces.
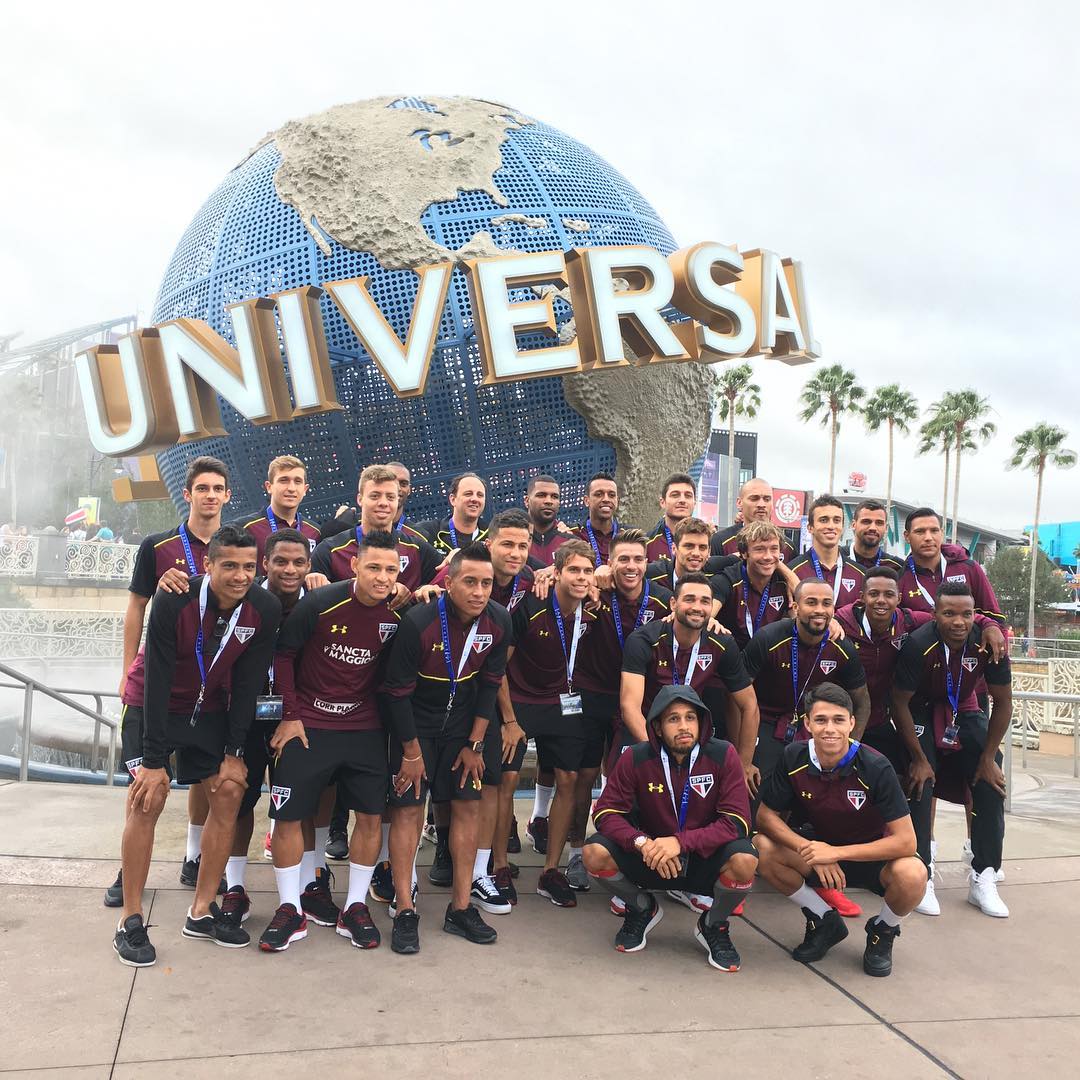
{"x":677,"y":501}
{"x":850,"y":796}
{"x":824,"y":561}
{"x":754,"y":503}
{"x":674,"y":815}
{"x":757,"y":591}
{"x":468,"y":497}
{"x":870,"y":530}
{"x":542,"y":502}
{"x":691,"y":537}
{"x":193,"y":691}
{"x":601,"y":505}
{"x":286,"y":485}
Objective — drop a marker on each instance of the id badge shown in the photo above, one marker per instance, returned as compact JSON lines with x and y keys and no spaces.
{"x":951,"y":735}
{"x":570,"y":704}
{"x":790,"y":731}
{"x":269,"y":708}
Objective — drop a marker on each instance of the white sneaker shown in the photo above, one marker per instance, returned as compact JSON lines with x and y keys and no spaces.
{"x":429,"y":834}
{"x":694,"y":901}
{"x":929,"y":905}
{"x":983,"y":893}
{"x":968,"y":856}
{"x":618,"y":906}
{"x":484,"y":895}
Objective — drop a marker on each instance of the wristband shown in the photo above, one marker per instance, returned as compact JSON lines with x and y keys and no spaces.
{"x":410,"y":760}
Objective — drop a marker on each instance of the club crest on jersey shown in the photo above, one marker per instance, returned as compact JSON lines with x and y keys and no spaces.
{"x":702,"y":785}
{"x":481,"y":642}
{"x":857,"y":797}
{"x":776,"y":602}
{"x":920,"y":730}
{"x":957,"y":577}
{"x":514,"y":600}
{"x":387,"y":630}
{"x":279,"y":796}
{"x":970,"y":663}
{"x":403,"y":562}
{"x":848,"y":583}
{"x":243,"y":633}
{"x":132,"y":766}
{"x":704,"y":661}
{"x":898,"y":642}
{"x":311,"y":544}
{"x":647,"y":616}
{"x":827,"y":666}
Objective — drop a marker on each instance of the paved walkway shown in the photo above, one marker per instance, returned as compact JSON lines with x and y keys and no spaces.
{"x":969,"y":996}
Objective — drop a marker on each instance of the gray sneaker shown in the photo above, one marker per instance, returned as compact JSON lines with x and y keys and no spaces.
{"x":577,"y":877}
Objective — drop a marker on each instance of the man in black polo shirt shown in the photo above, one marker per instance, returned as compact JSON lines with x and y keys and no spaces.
{"x":601,"y":525}
{"x":864,"y":838}
{"x":869,"y":529}
{"x":212,"y":643}
{"x":677,"y":501}
{"x":824,"y":560}
{"x":754,"y":503}
{"x":468,"y":497}
{"x":937,"y":713}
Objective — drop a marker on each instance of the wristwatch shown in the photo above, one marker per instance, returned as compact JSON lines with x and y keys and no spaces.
{"x":640,"y":841}
{"x":235,"y":751}
{"x":478,"y":747}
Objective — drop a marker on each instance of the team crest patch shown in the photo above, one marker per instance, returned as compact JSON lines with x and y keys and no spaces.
{"x":403,"y":562}
{"x":132,"y":766}
{"x":311,"y":544}
{"x":848,"y":583}
{"x":898,"y":642}
{"x":243,"y":633}
{"x":703,"y":662}
{"x":387,"y":630}
{"x":970,"y":663}
{"x":702,"y":784}
{"x":514,"y":600}
{"x":827,"y":666}
{"x":647,"y":616}
{"x":957,"y":577}
{"x":776,"y":602}
{"x":856,"y":797}
{"x":920,"y":730}
{"x":279,"y":796}
{"x":481,"y":642}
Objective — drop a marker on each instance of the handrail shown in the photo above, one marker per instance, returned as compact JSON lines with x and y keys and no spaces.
{"x":1024,"y":696}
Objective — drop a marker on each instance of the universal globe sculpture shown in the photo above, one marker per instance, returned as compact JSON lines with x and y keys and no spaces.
{"x":376,"y":188}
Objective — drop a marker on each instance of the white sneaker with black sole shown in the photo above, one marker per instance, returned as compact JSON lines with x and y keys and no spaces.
{"x":487,"y":897}
{"x":694,"y":901}
{"x":929,"y":904}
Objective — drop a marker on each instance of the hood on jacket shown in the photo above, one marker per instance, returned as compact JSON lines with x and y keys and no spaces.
{"x":954,"y":552}
{"x":664,"y":698}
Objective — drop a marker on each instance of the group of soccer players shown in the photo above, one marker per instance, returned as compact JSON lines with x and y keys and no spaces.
{"x":745,"y":709}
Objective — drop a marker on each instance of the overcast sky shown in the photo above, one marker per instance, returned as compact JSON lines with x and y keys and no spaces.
{"x":920,"y":159}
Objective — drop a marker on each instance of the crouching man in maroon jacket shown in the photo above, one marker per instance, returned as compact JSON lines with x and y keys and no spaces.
{"x":675,"y":814}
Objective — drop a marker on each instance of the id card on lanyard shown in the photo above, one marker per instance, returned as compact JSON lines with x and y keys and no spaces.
{"x":569,"y":703}
{"x":204,"y":593}
{"x":951,"y":737}
{"x":448,"y":658}
{"x":796,"y":717}
{"x":921,"y":587}
{"x":271,"y":707}
{"x":683,"y":805}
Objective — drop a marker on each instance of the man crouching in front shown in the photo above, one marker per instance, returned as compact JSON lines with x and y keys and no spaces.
{"x":675,"y":815}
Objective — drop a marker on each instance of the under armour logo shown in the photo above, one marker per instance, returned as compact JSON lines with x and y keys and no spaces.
{"x":912,"y":592}
{"x":437,"y":647}
{"x":335,"y":629}
{"x":180,"y":562}
{"x":545,"y":633}
{"x":656,"y":789}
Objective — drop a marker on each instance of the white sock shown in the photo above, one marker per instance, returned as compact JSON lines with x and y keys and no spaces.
{"x":235,"y":869}
{"x":271,"y":826}
{"x":805,"y":897}
{"x":322,"y":837}
{"x":194,"y":841}
{"x":575,"y":851}
{"x":307,"y":867}
{"x":933,"y":851}
{"x":288,"y":884}
{"x":359,"y":880}
{"x":480,"y":863}
{"x":888,"y":916}
{"x":542,"y":800}
{"x":603,"y":783}
{"x":384,"y":851}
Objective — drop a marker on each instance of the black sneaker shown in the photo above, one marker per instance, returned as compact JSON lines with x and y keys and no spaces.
{"x":537,"y":832}
{"x":356,"y":925}
{"x":317,"y":903}
{"x":556,"y":888}
{"x":515,"y":870}
{"x":114,"y":894}
{"x":877,"y":958}
{"x":405,"y":937}
{"x":822,"y":933}
{"x":216,"y":928}
{"x":637,"y":922}
{"x":132,"y":944}
{"x":287,"y":925}
{"x":382,"y":884}
{"x":513,"y":841}
{"x":716,"y":940}
{"x":470,"y":925}
{"x":393,"y":903}
{"x":337,"y":847}
{"x":236,"y":905}
{"x":504,"y":882}
{"x":189,"y":875}
{"x":486,"y":896}
{"x":441,"y":872}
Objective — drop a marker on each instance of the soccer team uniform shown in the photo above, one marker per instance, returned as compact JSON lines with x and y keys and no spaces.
{"x":726,"y":542}
{"x":417,"y":558}
{"x":845,"y":578}
{"x":880,"y":558}
{"x":264,"y":525}
{"x":661,"y":542}
{"x":743,"y":610}
{"x":600,"y":542}
{"x":662,"y":572}
{"x":544,"y":545}
{"x":919,"y":586}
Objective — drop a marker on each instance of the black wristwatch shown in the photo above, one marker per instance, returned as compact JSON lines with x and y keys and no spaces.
{"x":478,"y":747}
{"x":235,"y":751}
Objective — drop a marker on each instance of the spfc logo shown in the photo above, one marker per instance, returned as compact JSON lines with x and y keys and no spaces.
{"x":848,"y":583}
{"x":481,"y":642}
{"x":387,"y":630}
{"x":311,"y":544}
{"x":857,"y":797}
{"x":647,"y":616}
{"x":702,"y":785}
{"x":403,"y":562}
{"x":970,"y":663}
{"x":279,"y":796}
{"x":132,"y":766}
{"x":513,"y":601}
{"x":827,"y":666}
{"x":703,"y":662}
{"x":920,"y":730}
{"x":776,"y":602}
{"x":957,"y":577}
{"x":243,"y":633}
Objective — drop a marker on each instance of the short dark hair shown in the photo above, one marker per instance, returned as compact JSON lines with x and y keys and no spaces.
{"x":379,"y":539}
{"x":465,"y":476}
{"x":918,"y":512}
{"x":205,"y":464}
{"x":691,"y":526}
{"x":881,"y":572}
{"x":229,"y":536}
{"x":808,"y":581}
{"x":286,"y":536}
{"x":565,"y":552}
{"x":472,"y":552}
{"x":867,"y":504}
{"x":543,"y":478}
{"x":629,"y":536}
{"x":820,"y":503}
{"x":509,"y":519}
{"x":696,"y":578}
{"x":676,"y":478}
{"x":598,"y":476}
{"x":828,"y":692}
{"x":954,"y":588}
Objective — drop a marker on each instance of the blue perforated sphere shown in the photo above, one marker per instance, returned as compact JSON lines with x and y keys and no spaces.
{"x":248,"y":241}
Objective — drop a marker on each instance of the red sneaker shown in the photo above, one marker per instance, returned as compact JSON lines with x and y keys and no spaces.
{"x":740,"y":909}
{"x":267,"y":852}
{"x":840,"y":903}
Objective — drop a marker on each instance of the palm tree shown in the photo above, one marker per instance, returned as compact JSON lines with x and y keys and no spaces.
{"x":738,"y":396}
{"x":938,"y":435}
{"x":1034,"y":449}
{"x":832,"y":391}
{"x":965,"y":410}
{"x":897,"y":408}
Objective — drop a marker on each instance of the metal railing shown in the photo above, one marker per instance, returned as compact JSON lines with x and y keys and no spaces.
{"x":54,"y":559}
{"x":1044,"y":648}
{"x":1023,"y":697}
{"x":31,"y":686}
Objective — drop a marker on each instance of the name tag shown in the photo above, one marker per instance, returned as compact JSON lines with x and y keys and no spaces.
{"x":570,"y":704}
{"x":269,"y":708}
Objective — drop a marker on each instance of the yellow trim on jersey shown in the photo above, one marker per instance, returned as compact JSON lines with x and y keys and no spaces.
{"x":785,"y":641}
{"x":799,"y":769}
{"x":932,"y":648}
{"x":860,"y":779}
{"x":341,"y":547}
{"x":171,"y":536}
{"x":609,"y":810}
{"x":739,"y":818}
{"x":444,"y":678}
{"x":540,"y":612}
{"x":261,"y":517}
{"x":340,"y":603}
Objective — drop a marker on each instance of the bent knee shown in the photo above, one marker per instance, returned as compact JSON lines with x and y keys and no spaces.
{"x":597,"y":858}
{"x":742,"y":867}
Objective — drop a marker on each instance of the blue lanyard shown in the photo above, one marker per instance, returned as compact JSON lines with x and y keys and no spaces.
{"x":453,"y":533}
{"x":668,"y":537}
{"x":447,"y":658}
{"x":795,"y":665}
{"x":684,"y":803}
{"x":746,"y":600}
{"x":273,"y":521}
{"x":592,"y":540}
{"x":193,"y":570}
{"x":571,"y":654}
{"x":951,"y":691}
{"x":846,"y":760}
{"x":359,"y":538}
{"x":204,"y":593}
{"x":617,"y":616}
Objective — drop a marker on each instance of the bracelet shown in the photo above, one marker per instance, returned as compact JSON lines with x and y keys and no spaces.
{"x":410,"y":760}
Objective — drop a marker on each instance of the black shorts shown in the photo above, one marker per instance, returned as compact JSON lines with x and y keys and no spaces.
{"x":131,"y":718}
{"x":885,"y":739}
{"x":621,"y":740}
{"x":354,"y":760}
{"x":700,"y":873}
{"x":259,"y":760}
{"x":768,"y":752}
{"x":560,"y":740}
{"x":859,"y":875}
{"x":199,"y":749}
{"x":443,"y":780}
{"x":601,"y":712}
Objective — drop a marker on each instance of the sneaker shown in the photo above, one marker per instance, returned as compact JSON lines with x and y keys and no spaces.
{"x":356,"y":925}
{"x":840,"y":903}
{"x":337,"y":847}
{"x":268,"y":843}
{"x":236,"y":905}
{"x":470,"y":925}
{"x":504,"y":882}
{"x":189,"y":875}
{"x":637,"y":922}
{"x":114,"y":894}
{"x":317,"y":903}
{"x":382,"y":884}
{"x":536,"y":831}
{"x":694,"y":901}
{"x":929,"y":905}
{"x":216,"y":928}
{"x":577,"y":877}
{"x":486,"y":896}
{"x":441,"y":871}
{"x":513,"y":841}
{"x":822,"y":933}
{"x":877,"y":957}
{"x":429,"y":834}
{"x":405,"y":937}
{"x":132,"y":944}
{"x":968,"y":856}
{"x":556,"y":888}
{"x":393,"y":903}
{"x":287,"y":925}
{"x":716,"y":940}
{"x":513,"y":867}
{"x":617,"y":906}
{"x":983,"y":893}
{"x":740,"y":908}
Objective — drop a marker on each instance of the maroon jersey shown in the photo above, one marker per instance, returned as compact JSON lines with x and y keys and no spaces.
{"x":267,"y":523}
{"x":164,"y":551}
{"x":544,"y":545}
{"x":848,"y":805}
{"x":726,"y":542}
{"x":882,"y":558}
{"x":918,"y":586}
{"x":509,"y":595}
{"x":845,"y":578}
{"x":536,"y":673}
{"x":768,"y":664}
{"x":661,"y":543}
{"x":744,"y":610}
{"x":329,"y":659}
{"x":418,"y":559}
{"x":600,"y":542}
